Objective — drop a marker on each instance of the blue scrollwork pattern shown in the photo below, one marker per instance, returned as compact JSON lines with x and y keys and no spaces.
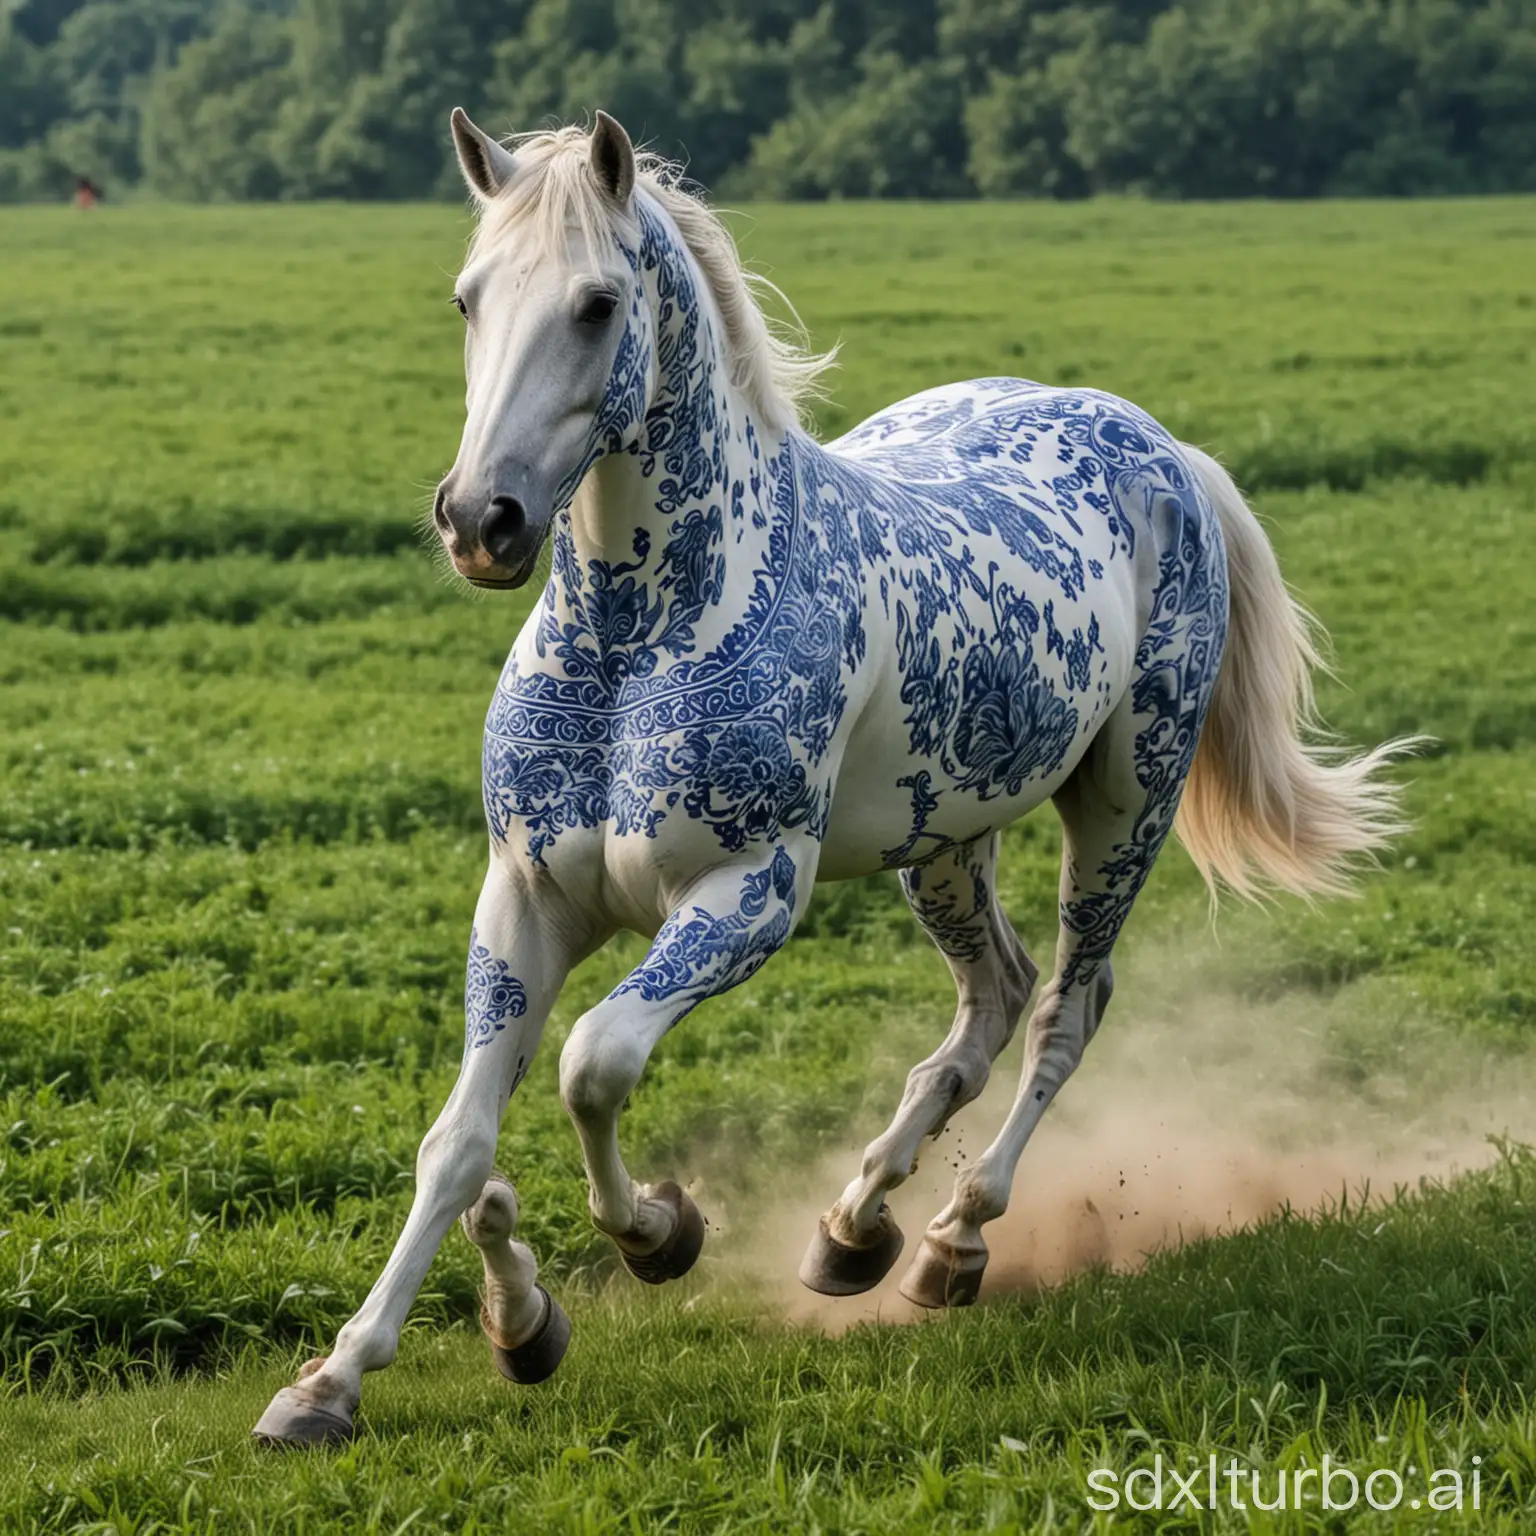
{"x":492,"y":995}
{"x":699,"y":953}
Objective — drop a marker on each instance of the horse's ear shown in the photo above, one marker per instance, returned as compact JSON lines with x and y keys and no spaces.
{"x":613,"y":158}
{"x":486,"y":165}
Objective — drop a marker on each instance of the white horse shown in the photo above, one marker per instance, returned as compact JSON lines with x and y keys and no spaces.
{"x":760,"y":662}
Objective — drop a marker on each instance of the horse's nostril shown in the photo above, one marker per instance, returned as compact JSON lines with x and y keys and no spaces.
{"x":503,"y":527}
{"x":440,"y":512}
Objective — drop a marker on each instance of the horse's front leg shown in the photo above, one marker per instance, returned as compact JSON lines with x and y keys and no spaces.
{"x":728,"y":923}
{"x":520,"y":950}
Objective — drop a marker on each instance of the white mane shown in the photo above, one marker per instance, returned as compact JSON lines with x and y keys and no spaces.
{"x":772,"y":364}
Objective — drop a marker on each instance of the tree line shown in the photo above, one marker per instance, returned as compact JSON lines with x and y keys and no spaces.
{"x":266,"y":99}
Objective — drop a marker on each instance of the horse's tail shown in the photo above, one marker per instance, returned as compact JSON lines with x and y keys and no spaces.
{"x":1267,"y":804}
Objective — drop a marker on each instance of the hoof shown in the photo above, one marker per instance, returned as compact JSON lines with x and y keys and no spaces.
{"x":293,"y":1420}
{"x":833,"y":1269}
{"x":535,"y":1359}
{"x":943,"y":1277}
{"x":678,"y":1254}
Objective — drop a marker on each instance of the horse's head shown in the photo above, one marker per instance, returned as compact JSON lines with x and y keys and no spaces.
{"x":558,"y":351}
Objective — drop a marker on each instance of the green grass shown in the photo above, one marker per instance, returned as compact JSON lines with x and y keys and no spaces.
{"x":1270,"y":1347}
{"x":240,"y":842}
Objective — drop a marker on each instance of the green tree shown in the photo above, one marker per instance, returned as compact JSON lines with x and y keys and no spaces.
{"x":31,"y":94}
{"x":106,"y":51}
{"x":39,"y":21}
{"x":738,"y":82}
{"x":1236,"y":97}
{"x":898,"y":133}
{"x":803,"y":98}
{"x":208,"y":118}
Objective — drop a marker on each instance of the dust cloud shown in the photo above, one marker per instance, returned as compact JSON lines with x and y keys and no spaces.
{"x":1196,"y":1111}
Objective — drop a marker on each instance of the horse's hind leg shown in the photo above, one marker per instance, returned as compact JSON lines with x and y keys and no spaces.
{"x":955,"y":900}
{"x":1115,"y":812}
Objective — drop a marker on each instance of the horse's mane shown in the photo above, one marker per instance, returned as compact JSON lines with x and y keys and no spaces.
{"x":770,"y":362}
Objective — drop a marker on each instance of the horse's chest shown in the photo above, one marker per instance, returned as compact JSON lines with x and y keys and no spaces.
{"x":727,"y":755}
{"x":673,"y":691}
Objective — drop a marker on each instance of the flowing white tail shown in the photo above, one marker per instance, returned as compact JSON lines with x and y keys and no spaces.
{"x":1268,"y":803}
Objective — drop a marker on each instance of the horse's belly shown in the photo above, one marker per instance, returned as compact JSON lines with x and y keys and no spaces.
{"x":957,"y":740}
{"x":874,"y":825}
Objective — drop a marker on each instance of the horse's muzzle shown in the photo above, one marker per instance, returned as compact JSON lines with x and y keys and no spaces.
{"x":495,"y":545}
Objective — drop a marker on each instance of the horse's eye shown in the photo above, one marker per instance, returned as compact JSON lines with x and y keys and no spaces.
{"x":597,"y":308}
{"x":460,"y":305}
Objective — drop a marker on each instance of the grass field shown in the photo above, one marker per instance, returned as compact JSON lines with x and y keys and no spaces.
{"x":240,"y":842}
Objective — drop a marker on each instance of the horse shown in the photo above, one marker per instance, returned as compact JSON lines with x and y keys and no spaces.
{"x":760,"y":662}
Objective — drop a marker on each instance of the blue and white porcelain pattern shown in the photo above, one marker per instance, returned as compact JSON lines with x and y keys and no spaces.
{"x":978,"y":533}
{"x":701,"y":954}
{"x":492,"y":995}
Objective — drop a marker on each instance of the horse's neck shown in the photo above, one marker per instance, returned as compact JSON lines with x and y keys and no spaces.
{"x":698,"y":456}
{"x":662,"y":543}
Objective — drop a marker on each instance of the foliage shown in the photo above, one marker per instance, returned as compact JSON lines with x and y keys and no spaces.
{"x":241,"y":835}
{"x":780,"y":98}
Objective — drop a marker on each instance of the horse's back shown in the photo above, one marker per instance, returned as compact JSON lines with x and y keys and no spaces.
{"x":1064,"y":443}
{"x":1087,"y":488}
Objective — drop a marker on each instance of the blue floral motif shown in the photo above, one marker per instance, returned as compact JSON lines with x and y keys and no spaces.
{"x":608,"y":733}
{"x":743,"y":779}
{"x":700,"y":954}
{"x":1010,"y":724}
{"x":492,"y":995}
